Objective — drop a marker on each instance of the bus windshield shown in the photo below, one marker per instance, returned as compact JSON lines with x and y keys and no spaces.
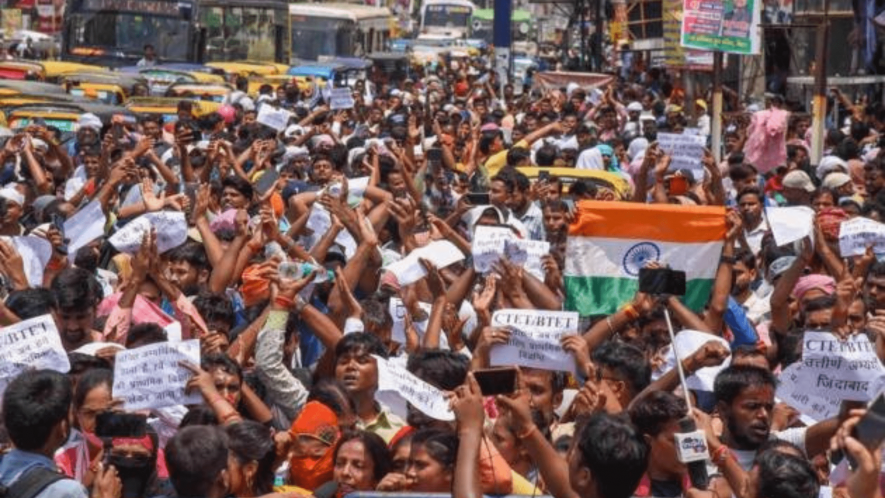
{"x":313,"y":37}
{"x":446,"y":15}
{"x":129,"y":32}
{"x":239,"y":33}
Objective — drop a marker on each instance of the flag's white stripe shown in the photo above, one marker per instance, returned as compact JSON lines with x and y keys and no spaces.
{"x":608,"y":257}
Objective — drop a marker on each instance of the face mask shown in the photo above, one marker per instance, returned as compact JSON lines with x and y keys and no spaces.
{"x":134,"y":474}
{"x":312,"y":472}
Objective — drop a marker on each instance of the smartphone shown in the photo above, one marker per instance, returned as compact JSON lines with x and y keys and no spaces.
{"x":434,"y":155}
{"x":58,"y":222}
{"x":478,"y":199}
{"x":544,"y":176}
{"x":662,"y":281}
{"x":677,"y":185}
{"x":267,"y":181}
{"x":117,"y":425}
{"x":870,"y":430}
{"x":494,"y":381}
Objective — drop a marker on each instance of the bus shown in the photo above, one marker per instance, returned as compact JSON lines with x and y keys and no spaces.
{"x":323,"y":30}
{"x":446,"y":17}
{"x":483,"y":20}
{"x":114,"y":32}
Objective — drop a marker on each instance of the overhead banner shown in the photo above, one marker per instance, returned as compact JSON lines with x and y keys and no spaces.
{"x":675,"y":55}
{"x":555,"y":80}
{"x":725,"y":25}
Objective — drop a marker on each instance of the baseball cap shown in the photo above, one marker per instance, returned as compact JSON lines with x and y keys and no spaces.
{"x":836,"y":180}
{"x":798,"y":179}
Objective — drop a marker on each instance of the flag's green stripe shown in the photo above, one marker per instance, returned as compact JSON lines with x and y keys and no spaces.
{"x":604,"y":295}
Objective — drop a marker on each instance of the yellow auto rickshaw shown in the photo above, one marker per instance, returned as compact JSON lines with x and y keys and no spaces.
{"x":167,"y":107}
{"x":606,"y":181}
{"x":200,"y":91}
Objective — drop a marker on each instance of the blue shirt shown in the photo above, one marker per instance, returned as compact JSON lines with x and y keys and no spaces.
{"x":15,"y":463}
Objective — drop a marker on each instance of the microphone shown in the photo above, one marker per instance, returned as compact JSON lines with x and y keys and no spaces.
{"x":691,"y":449}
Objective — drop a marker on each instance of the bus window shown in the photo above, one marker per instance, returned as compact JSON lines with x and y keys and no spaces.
{"x":314,"y":37}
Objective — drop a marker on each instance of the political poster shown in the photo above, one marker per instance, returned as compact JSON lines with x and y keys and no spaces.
{"x":726,"y":25}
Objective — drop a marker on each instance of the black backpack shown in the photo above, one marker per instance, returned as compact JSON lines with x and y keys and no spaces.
{"x":31,"y":483}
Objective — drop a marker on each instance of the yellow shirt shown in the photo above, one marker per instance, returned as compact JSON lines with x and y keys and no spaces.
{"x":385,"y":425}
{"x":499,"y":160}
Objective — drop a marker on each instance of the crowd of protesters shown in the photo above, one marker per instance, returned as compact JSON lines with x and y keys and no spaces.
{"x":289,"y":367}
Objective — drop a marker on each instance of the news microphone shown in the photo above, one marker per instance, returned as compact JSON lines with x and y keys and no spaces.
{"x":691,"y":449}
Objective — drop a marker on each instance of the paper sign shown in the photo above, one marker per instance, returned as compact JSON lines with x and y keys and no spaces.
{"x":171,"y":228}
{"x":687,"y":342}
{"x":789,"y":224}
{"x":32,"y":344}
{"x":356,"y":189}
{"x":535,"y":250}
{"x":151,"y":377}
{"x":36,"y":253}
{"x":686,"y":151}
{"x":84,"y":226}
{"x":858,"y":233}
{"x":278,"y":119}
{"x":837,"y":369}
{"x":488,"y":246}
{"x":535,"y":339}
{"x":808,"y":403}
{"x":398,"y":312}
{"x":396,"y":386}
{"x":441,"y":253}
{"x":341,"y":98}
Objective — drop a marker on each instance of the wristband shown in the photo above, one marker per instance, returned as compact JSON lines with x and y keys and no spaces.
{"x":283,"y":302}
{"x":728,"y":260}
{"x":630,"y":311}
{"x":527,"y":433}
{"x":721,"y":455}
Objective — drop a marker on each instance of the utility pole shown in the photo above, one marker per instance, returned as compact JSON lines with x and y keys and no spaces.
{"x":716,"y":118}
{"x":819,"y":102}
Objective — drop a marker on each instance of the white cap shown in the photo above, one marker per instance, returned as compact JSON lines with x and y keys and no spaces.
{"x":830,"y":163}
{"x":89,"y":120}
{"x":634,"y":107}
{"x":11,"y":194}
{"x":293,"y":131}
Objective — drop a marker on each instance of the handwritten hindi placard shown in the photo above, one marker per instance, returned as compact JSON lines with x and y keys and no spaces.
{"x":534,"y":339}
{"x":808,"y":403}
{"x":838,"y":369}
{"x":856,"y":234}
{"x":170,"y":226}
{"x":341,"y":98}
{"x":397,"y":387}
{"x":488,"y":246}
{"x":685,"y":151}
{"x":32,"y":344}
{"x":151,"y":376}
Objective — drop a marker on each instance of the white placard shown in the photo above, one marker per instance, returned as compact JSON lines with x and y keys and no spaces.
{"x":687,"y":342}
{"x":341,"y":98}
{"x":398,"y":312}
{"x":84,"y":226}
{"x":686,"y":151}
{"x":535,"y":339}
{"x":32,"y":344}
{"x":837,"y":369}
{"x":36,"y":253}
{"x":356,"y":189}
{"x":151,"y":376}
{"x":488,"y":246}
{"x":858,"y":233}
{"x":809,"y":404}
{"x":789,"y":224}
{"x":441,"y":253}
{"x":171,"y":228}
{"x":534,"y":250}
{"x":396,"y":386}
{"x":278,"y":119}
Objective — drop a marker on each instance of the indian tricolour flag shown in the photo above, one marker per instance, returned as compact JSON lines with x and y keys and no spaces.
{"x":610,"y":241}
